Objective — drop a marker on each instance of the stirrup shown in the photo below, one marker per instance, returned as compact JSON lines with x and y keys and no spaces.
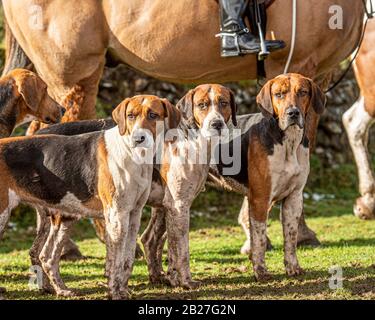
{"x":235,"y":35}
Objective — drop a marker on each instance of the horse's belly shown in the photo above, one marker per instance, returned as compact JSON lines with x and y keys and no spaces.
{"x":162,"y":43}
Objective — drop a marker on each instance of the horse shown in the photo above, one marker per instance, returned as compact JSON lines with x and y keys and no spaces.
{"x":69,"y":43}
{"x":358,"y":120}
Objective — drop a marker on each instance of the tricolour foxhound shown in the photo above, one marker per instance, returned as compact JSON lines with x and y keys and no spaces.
{"x":23,"y":98}
{"x":91,"y":175}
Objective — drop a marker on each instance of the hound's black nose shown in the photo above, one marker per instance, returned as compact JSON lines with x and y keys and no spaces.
{"x":139,"y":139}
{"x":293,"y":113}
{"x":217,"y":124}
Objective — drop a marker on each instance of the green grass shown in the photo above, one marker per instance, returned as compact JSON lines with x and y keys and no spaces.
{"x":215,"y":260}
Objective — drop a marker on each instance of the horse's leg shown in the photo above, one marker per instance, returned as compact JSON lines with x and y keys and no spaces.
{"x":307,"y":237}
{"x":243,"y":220}
{"x":357,"y":122}
{"x":153,"y":240}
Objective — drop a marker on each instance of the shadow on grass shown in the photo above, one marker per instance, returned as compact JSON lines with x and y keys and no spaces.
{"x":313,"y":284}
{"x":237,"y":286}
{"x":352,"y":242}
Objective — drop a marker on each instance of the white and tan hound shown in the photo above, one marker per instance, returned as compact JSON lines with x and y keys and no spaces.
{"x":85,"y":176}
{"x":274,"y":166}
{"x":175,"y":183}
{"x":23,"y":98}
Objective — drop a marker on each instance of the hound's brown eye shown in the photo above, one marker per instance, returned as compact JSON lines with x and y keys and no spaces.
{"x":131,"y":116}
{"x":223,"y":104}
{"x":303,"y":93}
{"x":202,"y":106}
{"x":278,"y":95}
{"x":153,"y":115}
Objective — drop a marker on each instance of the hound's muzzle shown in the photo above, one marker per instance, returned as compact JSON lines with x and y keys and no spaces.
{"x":141,"y":138}
{"x":293,"y":116}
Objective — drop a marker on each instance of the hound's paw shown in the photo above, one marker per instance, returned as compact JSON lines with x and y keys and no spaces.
{"x":262,"y":275}
{"x":122,"y":295}
{"x":172,"y":280}
{"x":65,"y":293}
{"x":191,"y":284}
{"x":47,"y":289}
{"x":294,"y":271}
{"x":159,"y":279}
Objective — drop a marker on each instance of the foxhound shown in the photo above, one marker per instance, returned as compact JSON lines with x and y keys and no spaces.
{"x":23,"y":98}
{"x":96,"y":174}
{"x":207,"y":110}
{"x":274,"y":166}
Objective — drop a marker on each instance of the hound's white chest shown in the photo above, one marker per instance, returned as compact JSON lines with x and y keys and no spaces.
{"x":289,"y":168}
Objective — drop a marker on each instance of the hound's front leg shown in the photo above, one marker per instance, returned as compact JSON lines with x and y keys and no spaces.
{"x":178,"y":222}
{"x":291,"y":210}
{"x":7,"y":203}
{"x":43,"y":229}
{"x":51,"y":253}
{"x":131,"y":241}
{"x":117,"y":224}
{"x":153,"y":240}
{"x":258,"y":233}
{"x":243,"y":220}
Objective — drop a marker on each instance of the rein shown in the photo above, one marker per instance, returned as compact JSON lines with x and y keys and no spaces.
{"x":369,"y":15}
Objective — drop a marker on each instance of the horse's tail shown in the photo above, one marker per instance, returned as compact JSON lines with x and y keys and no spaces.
{"x":15,"y":57}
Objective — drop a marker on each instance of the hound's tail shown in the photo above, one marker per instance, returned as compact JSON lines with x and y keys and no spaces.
{"x":15,"y":57}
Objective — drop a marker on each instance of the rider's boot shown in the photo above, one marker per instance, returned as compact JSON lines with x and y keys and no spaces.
{"x":236,"y":38}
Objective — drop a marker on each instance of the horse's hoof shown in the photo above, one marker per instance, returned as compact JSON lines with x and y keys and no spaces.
{"x":364,"y":207}
{"x":71,"y":252}
{"x":307,"y":237}
{"x":311,"y":242}
{"x":72,"y":255}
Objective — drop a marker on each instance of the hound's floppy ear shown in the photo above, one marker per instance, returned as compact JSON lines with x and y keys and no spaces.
{"x":119,"y":115}
{"x":264,"y":100}
{"x":173,"y":114}
{"x":233,"y":106}
{"x":318,"y":98}
{"x":185,"y":106}
{"x":31,"y":88}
